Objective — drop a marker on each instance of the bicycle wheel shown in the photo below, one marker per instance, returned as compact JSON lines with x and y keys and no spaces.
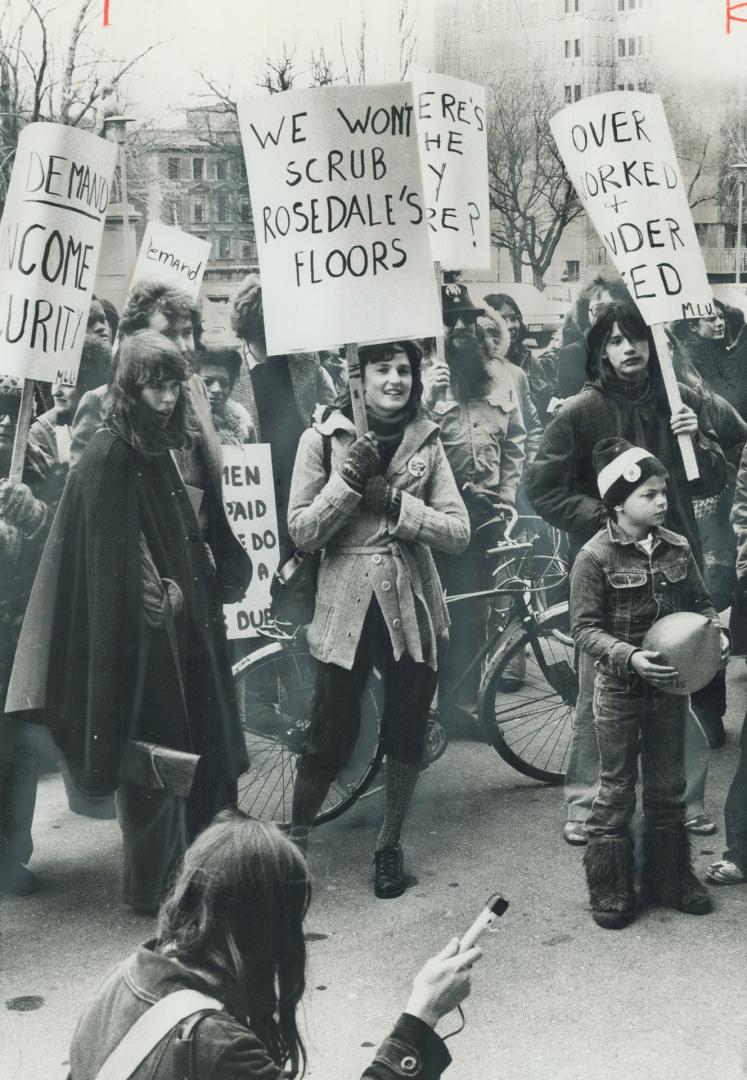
{"x":531,"y":726}
{"x":276,"y":685}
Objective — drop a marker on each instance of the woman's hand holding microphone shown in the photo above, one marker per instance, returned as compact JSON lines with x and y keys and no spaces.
{"x":442,"y":983}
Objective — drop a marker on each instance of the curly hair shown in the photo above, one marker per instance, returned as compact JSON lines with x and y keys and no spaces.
{"x":238,"y":904}
{"x":149,"y":297}
{"x":247,"y":317}
{"x":230,"y":359}
{"x":600,"y":280}
{"x":147,"y":358}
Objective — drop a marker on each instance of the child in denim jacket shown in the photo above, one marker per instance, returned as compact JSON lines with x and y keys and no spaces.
{"x":630,"y":574}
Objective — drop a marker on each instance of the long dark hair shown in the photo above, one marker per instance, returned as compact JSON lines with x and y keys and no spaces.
{"x":238,"y":906}
{"x":371,"y":354}
{"x":631,"y":324}
{"x":496,"y":301}
{"x":146,"y":358}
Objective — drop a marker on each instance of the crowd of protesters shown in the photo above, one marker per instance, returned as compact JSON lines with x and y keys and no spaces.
{"x":117,"y":554}
{"x":116,"y":558}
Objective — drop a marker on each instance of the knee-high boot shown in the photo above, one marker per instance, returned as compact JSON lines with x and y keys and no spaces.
{"x":608,"y":863}
{"x":668,"y":876}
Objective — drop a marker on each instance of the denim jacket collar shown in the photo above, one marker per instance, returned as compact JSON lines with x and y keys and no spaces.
{"x":617,"y":536}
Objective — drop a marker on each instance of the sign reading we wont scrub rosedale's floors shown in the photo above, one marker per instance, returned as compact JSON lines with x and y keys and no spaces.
{"x":619,"y":154}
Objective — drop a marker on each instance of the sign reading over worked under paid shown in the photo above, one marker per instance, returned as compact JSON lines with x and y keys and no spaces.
{"x":619,"y":154}
{"x":50,"y":235}
{"x":337,"y":198}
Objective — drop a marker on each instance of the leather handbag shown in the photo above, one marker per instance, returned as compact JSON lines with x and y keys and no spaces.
{"x":293,"y":587}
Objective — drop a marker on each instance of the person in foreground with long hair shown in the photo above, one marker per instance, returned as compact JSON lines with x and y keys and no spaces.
{"x":232,"y":928}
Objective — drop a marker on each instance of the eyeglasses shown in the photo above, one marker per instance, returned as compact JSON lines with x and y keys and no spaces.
{"x":469,"y":317}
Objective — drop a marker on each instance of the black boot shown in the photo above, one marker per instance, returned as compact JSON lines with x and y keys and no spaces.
{"x":609,"y":875}
{"x":668,"y":876}
{"x":389,"y":872}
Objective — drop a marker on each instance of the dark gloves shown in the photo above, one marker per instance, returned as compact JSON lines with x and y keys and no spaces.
{"x":361,"y":464}
{"x":380,"y":497}
{"x":161,"y":596}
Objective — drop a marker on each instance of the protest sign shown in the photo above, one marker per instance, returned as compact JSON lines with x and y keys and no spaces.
{"x":337,"y":197}
{"x":50,"y":236}
{"x":249,"y":499}
{"x":450,"y":118}
{"x":173,"y":257}
{"x":618,"y":152}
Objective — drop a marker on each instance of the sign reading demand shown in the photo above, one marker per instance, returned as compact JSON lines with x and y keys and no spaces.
{"x":50,"y":236}
{"x":340,"y":216}
{"x":173,"y":257}
{"x":619,"y":154}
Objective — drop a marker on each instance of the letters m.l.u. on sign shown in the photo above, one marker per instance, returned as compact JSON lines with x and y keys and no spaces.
{"x":619,"y":154}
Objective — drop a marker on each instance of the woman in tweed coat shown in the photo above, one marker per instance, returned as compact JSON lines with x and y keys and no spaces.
{"x":376,"y":509}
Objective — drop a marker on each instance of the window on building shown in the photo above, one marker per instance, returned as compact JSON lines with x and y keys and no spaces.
{"x":621,"y":5}
{"x":198,"y":212}
{"x":577,"y":92}
{"x":730,"y":236}
{"x":173,"y":168}
{"x":573,"y":269}
{"x":621,"y":86}
{"x":631,"y":4}
{"x":198,"y":168}
{"x":621,"y":46}
{"x":224,"y":247}
{"x":640,"y":46}
{"x":245,"y":212}
{"x":221,"y":170}
{"x":199,"y":236}
{"x":567,"y":50}
{"x":701,"y":231}
{"x":568,"y":95}
{"x":567,"y":6}
{"x":631,"y":46}
{"x":577,"y":47}
{"x":576,"y":4}
{"x":222,"y":208}
{"x":247,"y":248}
{"x":631,"y":86}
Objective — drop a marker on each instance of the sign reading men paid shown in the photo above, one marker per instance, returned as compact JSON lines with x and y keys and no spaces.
{"x":339,"y":213}
{"x":249,"y":499}
{"x":173,"y":257}
{"x":619,"y":154}
{"x":450,"y":115}
{"x":50,"y":236}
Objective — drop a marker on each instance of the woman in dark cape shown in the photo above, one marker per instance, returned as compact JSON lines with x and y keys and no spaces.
{"x":124,"y":643}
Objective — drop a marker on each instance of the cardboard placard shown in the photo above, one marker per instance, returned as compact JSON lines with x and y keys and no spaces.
{"x":50,"y":235}
{"x":450,"y":117}
{"x":337,"y":197}
{"x":172,"y":256}
{"x":249,"y":499}
{"x":619,"y":154}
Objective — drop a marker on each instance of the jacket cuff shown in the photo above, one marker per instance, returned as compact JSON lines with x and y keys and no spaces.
{"x":411,"y":516}
{"x":341,"y":495}
{"x":413,"y":1049}
{"x":619,"y":657}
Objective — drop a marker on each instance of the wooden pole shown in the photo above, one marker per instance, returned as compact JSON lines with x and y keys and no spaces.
{"x":661,"y":341}
{"x":440,"y":338}
{"x":355,"y":384}
{"x":22,"y":432}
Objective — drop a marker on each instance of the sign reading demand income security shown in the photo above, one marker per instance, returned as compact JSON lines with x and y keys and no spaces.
{"x":50,"y":235}
{"x":173,"y":257}
{"x":619,"y":154}
{"x":249,"y":498}
{"x":339,"y":213}
{"x":450,"y":116}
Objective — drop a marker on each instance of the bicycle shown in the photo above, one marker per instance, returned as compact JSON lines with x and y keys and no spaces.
{"x":529,"y":725}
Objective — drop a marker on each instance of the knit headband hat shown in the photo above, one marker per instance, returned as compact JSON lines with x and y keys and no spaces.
{"x":621,"y":468}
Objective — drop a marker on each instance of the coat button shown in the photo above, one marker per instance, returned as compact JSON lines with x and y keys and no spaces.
{"x":376,"y":558}
{"x":386,"y":585}
{"x":409,"y":1064}
{"x":396,"y":623}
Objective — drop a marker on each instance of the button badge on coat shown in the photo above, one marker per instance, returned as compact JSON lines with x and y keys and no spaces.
{"x":416,"y":466}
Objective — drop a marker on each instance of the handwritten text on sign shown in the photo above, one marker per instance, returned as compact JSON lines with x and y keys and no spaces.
{"x":618,"y":151}
{"x":450,"y":117}
{"x":50,"y":236}
{"x":338,"y":205}
{"x":172,"y":257}
{"x":249,"y":498}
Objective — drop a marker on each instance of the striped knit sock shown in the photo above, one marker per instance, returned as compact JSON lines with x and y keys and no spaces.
{"x":401,"y":779}
{"x":309,"y":794}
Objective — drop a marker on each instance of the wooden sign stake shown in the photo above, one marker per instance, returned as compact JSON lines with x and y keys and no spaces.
{"x":661,"y":341}
{"x":22,"y":432}
{"x":355,"y":384}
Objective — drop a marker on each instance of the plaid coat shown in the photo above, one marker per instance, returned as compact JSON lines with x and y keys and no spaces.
{"x":366,"y":555}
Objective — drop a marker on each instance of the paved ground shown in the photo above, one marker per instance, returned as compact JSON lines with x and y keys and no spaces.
{"x":555,"y":998}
